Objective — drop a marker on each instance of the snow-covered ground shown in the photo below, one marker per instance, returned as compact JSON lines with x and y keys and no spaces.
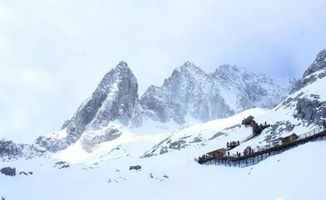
{"x":298,"y":174}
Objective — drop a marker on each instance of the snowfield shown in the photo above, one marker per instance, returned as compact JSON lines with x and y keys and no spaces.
{"x":297,"y":174}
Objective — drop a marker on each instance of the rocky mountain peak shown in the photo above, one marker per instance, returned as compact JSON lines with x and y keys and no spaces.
{"x":318,"y":64}
{"x":113,"y":100}
{"x":307,"y":99}
{"x":187,"y":65}
{"x":189,"y":94}
{"x":188,"y":69}
{"x":122,"y":67}
{"x":122,"y":64}
{"x":316,"y":70}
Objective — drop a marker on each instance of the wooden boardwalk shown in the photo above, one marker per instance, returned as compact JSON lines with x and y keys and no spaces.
{"x":264,"y":152}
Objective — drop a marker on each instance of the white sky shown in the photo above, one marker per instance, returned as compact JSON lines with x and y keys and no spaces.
{"x":53,"y":53}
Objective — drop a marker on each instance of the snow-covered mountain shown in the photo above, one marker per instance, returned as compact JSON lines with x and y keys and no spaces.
{"x":301,"y":111}
{"x":308,"y":96}
{"x":192,"y":94}
{"x":100,"y":156}
{"x":188,"y":95}
{"x":287,"y":117}
{"x":115,"y":99}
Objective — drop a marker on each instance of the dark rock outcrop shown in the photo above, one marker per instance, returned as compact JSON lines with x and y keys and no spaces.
{"x":23,"y":173}
{"x":311,"y":110}
{"x":10,"y":150}
{"x":136,"y":167}
{"x":61,"y":165}
{"x":9,"y":171}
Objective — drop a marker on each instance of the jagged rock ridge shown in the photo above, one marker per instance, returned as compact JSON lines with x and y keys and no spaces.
{"x":10,"y":150}
{"x":189,"y":94}
{"x":305,"y":97}
{"x":192,"y":93}
{"x":316,"y":70}
{"x":114,"y":99}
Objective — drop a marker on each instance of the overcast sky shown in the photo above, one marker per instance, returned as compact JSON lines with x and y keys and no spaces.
{"x":53,"y":53}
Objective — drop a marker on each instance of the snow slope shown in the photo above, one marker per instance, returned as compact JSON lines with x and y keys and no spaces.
{"x":104,"y":173}
{"x":297,"y":174}
{"x":133,"y":145}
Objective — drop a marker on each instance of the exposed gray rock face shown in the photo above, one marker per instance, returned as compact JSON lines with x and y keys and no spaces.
{"x":160,"y":106}
{"x":192,"y":93}
{"x":55,"y":144}
{"x":90,"y":139}
{"x":250,"y":89}
{"x":196,"y":93}
{"x":10,"y":150}
{"x":188,"y":94}
{"x":307,"y":106}
{"x":276,"y":130}
{"x":115,"y":99}
{"x":311,"y":110}
{"x":316,"y":70}
{"x":318,"y":64}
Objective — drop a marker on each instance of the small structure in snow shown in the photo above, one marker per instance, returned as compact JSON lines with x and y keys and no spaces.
{"x":217,"y":153}
{"x":290,"y":138}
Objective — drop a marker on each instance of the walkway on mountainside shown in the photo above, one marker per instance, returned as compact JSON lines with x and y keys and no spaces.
{"x":262,"y":153}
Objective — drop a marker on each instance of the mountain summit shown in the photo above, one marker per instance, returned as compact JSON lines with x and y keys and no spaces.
{"x":113,"y":100}
{"x":192,"y":94}
{"x":188,"y":95}
{"x":308,"y":96}
{"x":315,"y":71}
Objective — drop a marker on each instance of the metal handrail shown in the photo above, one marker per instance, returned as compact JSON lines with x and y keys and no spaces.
{"x":303,"y":136}
{"x":310,"y":133}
